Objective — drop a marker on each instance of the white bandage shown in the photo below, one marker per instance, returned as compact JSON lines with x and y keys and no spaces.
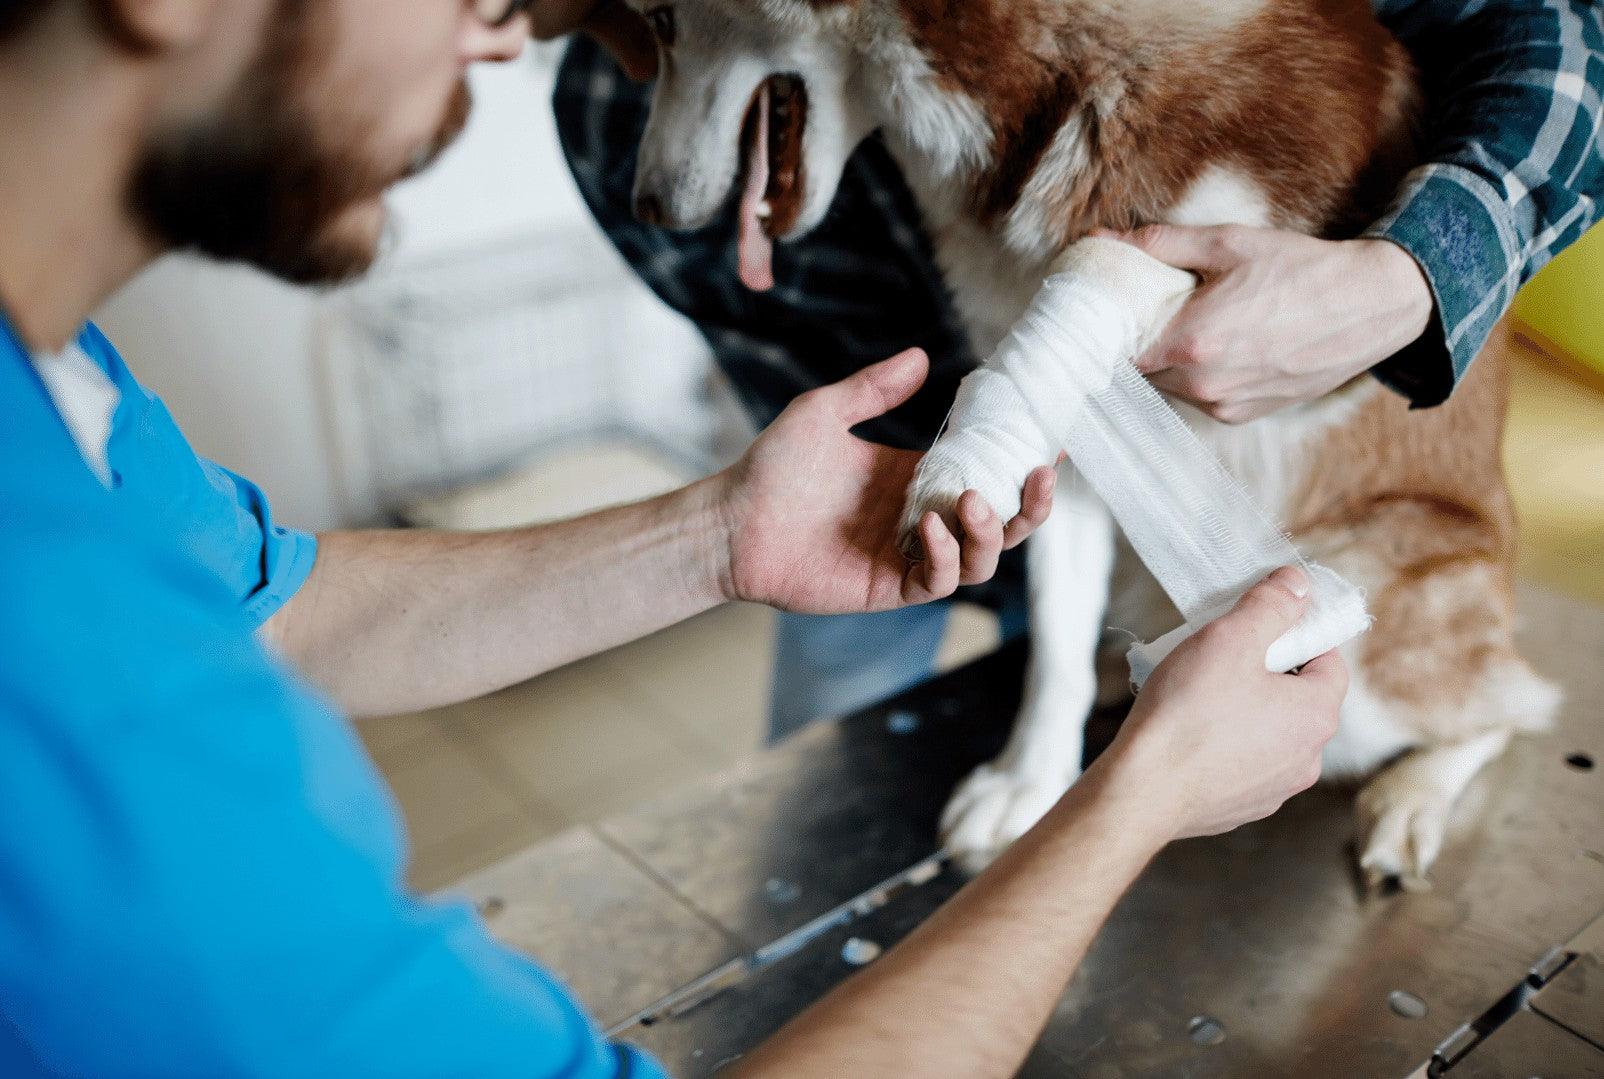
{"x":1063,"y":380}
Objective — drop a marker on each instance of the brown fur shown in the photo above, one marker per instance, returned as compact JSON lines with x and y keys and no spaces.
{"x":1330,"y":59}
{"x":1424,"y":492}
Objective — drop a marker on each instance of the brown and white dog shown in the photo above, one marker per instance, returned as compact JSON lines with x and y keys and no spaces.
{"x":1022,"y":125}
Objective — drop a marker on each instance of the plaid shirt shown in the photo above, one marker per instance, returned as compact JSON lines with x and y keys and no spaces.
{"x":1513,"y":170}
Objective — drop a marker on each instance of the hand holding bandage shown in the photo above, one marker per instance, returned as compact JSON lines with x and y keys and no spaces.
{"x":1063,"y":381}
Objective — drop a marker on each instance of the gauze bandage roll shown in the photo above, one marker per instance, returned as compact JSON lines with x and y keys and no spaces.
{"x":1063,"y":380}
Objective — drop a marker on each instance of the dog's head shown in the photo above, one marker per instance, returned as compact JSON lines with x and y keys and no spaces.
{"x":755,"y":93}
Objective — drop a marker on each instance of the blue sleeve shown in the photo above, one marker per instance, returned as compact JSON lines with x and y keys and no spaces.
{"x":200,"y":871}
{"x":221,"y":518}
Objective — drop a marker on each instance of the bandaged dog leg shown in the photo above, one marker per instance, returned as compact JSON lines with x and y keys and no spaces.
{"x":1063,"y":380}
{"x":1103,"y":304}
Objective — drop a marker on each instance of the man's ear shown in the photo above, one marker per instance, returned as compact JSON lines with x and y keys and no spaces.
{"x":157,"y":25}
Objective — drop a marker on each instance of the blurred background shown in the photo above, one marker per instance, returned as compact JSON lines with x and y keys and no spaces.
{"x":503,"y":366}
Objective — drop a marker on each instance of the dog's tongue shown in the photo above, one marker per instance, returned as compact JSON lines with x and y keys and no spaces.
{"x":755,"y":249}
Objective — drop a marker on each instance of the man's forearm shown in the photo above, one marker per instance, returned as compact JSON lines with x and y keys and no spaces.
{"x":969,"y":991}
{"x":396,"y":621}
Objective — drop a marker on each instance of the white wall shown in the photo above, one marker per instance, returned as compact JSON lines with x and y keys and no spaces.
{"x":231,"y":351}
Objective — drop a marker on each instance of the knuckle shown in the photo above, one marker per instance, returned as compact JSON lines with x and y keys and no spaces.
{"x":1208,"y":387}
{"x":1331,"y":722}
{"x":1276,"y":598}
{"x":1311,"y":774}
{"x":1149,"y":235}
{"x":1193,"y":349}
{"x":1232,"y":239}
{"x":1220,"y":635}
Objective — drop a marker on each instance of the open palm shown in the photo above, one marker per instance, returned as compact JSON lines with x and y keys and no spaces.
{"x":816,"y":509}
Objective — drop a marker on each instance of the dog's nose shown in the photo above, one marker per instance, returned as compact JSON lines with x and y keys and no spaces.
{"x":649,"y":209}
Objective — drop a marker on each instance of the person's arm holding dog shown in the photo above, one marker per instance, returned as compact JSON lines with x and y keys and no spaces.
{"x":1513,"y":172}
{"x":1212,"y":742}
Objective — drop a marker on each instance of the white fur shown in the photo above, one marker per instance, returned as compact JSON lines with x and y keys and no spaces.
{"x":1221,"y":196}
{"x":690,"y":152}
{"x":946,"y":129}
{"x":1028,"y":229}
{"x":1069,"y":559}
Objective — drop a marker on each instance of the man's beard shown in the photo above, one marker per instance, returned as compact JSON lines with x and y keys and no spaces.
{"x":258,"y":184}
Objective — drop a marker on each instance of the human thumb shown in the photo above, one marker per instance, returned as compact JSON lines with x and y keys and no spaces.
{"x":1270,"y":608}
{"x":1203,"y":250}
{"x":876,"y":390}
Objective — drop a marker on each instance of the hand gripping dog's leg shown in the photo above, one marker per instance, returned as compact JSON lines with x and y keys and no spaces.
{"x":1063,"y":379}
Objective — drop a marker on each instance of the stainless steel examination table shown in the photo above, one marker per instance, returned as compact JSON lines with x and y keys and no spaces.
{"x":695,"y":926}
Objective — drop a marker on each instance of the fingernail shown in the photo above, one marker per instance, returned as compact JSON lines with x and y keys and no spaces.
{"x":1298,"y":582}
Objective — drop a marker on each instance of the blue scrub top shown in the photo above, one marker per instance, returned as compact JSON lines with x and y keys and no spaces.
{"x":200,"y":869}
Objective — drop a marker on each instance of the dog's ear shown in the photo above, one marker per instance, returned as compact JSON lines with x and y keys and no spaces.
{"x":624,"y":33}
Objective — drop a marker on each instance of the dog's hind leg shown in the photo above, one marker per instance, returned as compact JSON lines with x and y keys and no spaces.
{"x":1070,"y":559}
{"x":1440,"y":673}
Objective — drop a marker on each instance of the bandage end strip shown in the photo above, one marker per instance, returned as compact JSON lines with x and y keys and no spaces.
{"x":1336,"y":615}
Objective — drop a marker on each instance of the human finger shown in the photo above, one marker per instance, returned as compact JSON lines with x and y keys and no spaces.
{"x":877,"y":389}
{"x":1035,"y":504}
{"x":1269,"y":608}
{"x":937,"y":576}
{"x":982,"y":539}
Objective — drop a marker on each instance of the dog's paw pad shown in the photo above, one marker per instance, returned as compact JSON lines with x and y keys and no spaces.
{"x":992,"y":808}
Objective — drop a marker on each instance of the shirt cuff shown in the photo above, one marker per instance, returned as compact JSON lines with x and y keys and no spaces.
{"x":1455,"y":225}
{"x":291,"y":555}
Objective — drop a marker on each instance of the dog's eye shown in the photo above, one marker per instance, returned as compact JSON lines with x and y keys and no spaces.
{"x":662,"y":22}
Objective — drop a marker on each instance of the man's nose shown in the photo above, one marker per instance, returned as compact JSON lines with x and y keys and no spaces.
{"x":496,"y":44}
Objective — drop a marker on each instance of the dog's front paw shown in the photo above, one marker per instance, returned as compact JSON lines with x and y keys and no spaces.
{"x":1401,"y":827}
{"x":992,"y":808}
{"x":944,"y":474}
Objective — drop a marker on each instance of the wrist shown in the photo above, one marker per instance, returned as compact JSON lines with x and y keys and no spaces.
{"x":1127,"y":788}
{"x":706,"y":509}
{"x":725,"y":494}
{"x":1404,"y":291}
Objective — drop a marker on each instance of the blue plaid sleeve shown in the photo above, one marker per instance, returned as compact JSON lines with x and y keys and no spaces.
{"x":1514,"y":165}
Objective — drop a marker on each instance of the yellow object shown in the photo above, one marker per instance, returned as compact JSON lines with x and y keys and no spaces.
{"x":1554,"y":456}
{"x":1564,"y":304}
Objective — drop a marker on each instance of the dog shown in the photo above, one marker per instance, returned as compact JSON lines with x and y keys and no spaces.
{"x":1024,"y":125}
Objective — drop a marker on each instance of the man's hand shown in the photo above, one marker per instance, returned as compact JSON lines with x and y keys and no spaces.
{"x":1280,"y":318}
{"x":618,"y":28}
{"x":1214,"y":740}
{"x":813,"y":510}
